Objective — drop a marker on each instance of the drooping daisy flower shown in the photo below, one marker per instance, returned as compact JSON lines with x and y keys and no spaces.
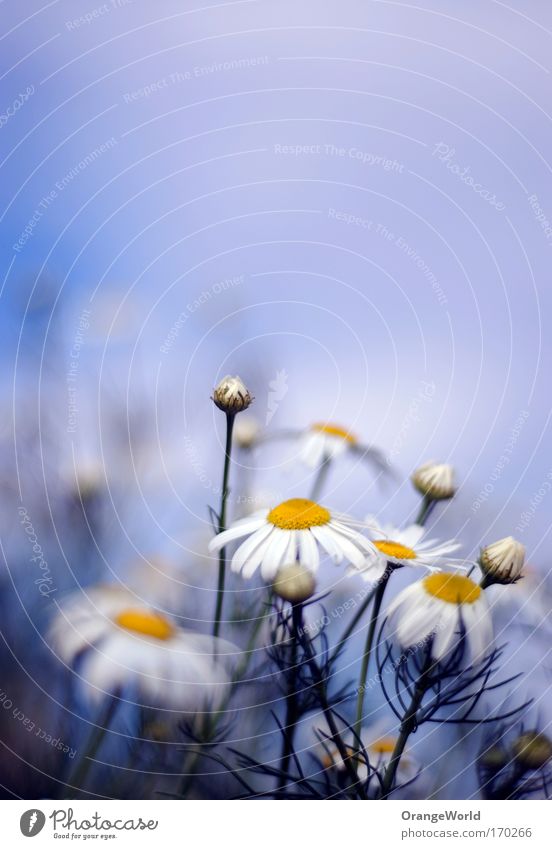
{"x":403,"y":548}
{"x":116,"y":644}
{"x":324,"y":441}
{"x":295,"y":529}
{"x":502,"y":561}
{"x":443,"y":606}
{"x":435,"y":480}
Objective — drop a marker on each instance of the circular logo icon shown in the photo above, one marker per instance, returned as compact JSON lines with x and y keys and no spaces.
{"x":32,"y":822}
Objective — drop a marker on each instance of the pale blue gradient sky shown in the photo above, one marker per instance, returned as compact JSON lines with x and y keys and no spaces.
{"x":195,"y":189}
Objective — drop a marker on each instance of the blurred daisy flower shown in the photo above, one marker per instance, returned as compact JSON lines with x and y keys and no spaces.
{"x":247,"y":432}
{"x":322,"y":442}
{"x":443,"y":606}
{"x":116,"y":643}
{"x":403,"y":548}
{"x":532,"y":750}
{"x":295,"y":529}
{"x":379,"y":746}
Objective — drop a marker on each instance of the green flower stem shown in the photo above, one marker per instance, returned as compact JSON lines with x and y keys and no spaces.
{"x":422,"y":516}
{"x":292,"y":702}
{"x":251,"y":643}
{"x":408,"y":725}
{"x":426,"y":508}
{"x":77,"y":776}
{"x":353,"y":623}
{"x":222,"y":523}
{"x":378,"y":598}
{"x":320,"y":479}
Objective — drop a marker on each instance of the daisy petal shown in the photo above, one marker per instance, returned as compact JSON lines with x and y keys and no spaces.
{"x":247,"y":548}
{"x":274,"y":554}
{"x":235,"y":532}
{"x":308,"y":550}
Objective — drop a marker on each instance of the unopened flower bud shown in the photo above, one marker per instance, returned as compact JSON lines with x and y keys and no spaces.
{"x":246,"y":432}
{"x":232,"y":395}
{"x":532,"y":750}
{"x":502,"y":562}
{"x":435,"y":481}
{"x":294,"y":583}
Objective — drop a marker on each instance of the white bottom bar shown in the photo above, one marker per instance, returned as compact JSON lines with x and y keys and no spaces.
{"x":178,"y":824}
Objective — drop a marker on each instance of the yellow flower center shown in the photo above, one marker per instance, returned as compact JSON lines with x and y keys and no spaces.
{"x":145,"y":622}
{"x":455,"y":589}
{"x":384,"y":746}
{"x":395,"y":549}
{"x":334,"y":430}
{"x":298,"y":514}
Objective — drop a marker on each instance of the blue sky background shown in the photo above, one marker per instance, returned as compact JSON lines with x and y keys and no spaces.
{"x":431,"y":283}
{"x":347,"y":201}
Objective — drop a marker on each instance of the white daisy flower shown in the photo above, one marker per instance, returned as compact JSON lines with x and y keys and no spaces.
{"x":403,"y":548}
{"x":442,"y":605}
{"x":294,"y":530}
{"x":324,"y":441}
{"x":117,"y":644}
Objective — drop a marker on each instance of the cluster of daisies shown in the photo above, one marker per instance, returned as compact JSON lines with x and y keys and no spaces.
{"x":300,"y":531}
{"x":120,"y":646}
{"x":443,"y":602}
